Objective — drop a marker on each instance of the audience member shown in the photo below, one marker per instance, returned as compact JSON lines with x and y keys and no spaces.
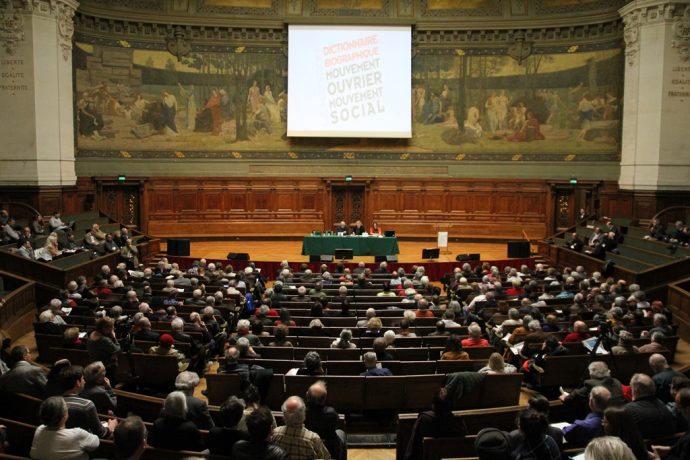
{"x":197,"y":410}
{"x":663,"y":375}
{"x":323,"y":420}
{"x":681,"y":449}
{"x":535,"y":443}
{"x":97,"y":388}
{"x":599,"y":375}
{"x":172,"y":430}
{"x":652,"y":417}
{"x":439,"y":422}
{"x":221,"y":439}
{"x":24,"y":377}
{"x":53,"y":440}
{"x":259,"y":446}
{"x":372,"y":366}
{"x":299,"y":442}
{"x":608,"y":448}
{"x":130,"y":439}
{"x":103,"y":346}
{"x":493,"y":444}
{"x":82,"y":412}
{"x":344,"y":341}
{"x":453,"y":350}
{"x":618,"y":422}
{"x":496,"y":365}
{"x":580,"y":432}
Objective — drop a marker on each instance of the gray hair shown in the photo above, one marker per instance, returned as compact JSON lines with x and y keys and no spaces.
{"x":52,"y":411}
{"x":186,"y":381}
{"x":346,"y":335}
{"x":46,"y":316}
{"x":389,"y":336}
{"x":369,"y":359}
{"x":94,"y":373}
{"x":175,"y":405}
{"x":534,"y":325}
{"x":243,"y":325}
{"x":294,"y":416}
{"x":601,"y":396}
{"x":475,"y":331}
{"x":658,"y":362}
{"x":177,"y":324}
{"x":608,"y":447}
{"x":598,"y":370}
{"x":243,"y":344}
{"x":642,"y":386}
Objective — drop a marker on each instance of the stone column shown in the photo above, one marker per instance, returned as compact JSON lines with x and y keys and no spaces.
{"x":36,"y":103}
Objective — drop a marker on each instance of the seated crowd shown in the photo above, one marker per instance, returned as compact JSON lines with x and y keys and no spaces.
{"x":217,"y":313}
{"x":45,"y":241}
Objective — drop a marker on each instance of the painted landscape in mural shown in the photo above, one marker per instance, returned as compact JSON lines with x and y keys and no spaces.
{"x":146,"y":100}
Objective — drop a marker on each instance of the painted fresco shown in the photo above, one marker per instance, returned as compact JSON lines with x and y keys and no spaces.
{"x":459,"y":4}
{"x":239,"y":3}
{"x":551,"y":3}
{"x":349,"y":4}
{"x":464,"y":103}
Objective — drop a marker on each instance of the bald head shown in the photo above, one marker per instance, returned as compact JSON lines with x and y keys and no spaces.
{"x":294,"y":411}
{"x":580,"y":326}
{"x":317,"y":393}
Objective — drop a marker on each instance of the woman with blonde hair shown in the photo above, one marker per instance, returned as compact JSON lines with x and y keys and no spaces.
{"x":374,"y":326}
{"x":50,"y":248}
{"x":497,"y":365}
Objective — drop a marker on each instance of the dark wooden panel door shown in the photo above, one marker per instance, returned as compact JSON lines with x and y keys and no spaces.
{"x":347,"y":203}
{"x":121,"y":202}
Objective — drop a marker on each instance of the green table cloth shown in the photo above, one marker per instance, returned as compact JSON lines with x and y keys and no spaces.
{"x":360,"y":245}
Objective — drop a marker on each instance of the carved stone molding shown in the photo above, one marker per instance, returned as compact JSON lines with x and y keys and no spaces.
{"x":88,"y":25}
{"x":11,"y":27}
{"x":631,"y":36}
{"x":638,"y":14}
{"x":12,"y":21}
{"x":65,"y":25}
{"x":681,"y":35}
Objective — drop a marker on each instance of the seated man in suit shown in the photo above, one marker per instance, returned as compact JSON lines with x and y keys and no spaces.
{"x":341,"y":228}
{"x":575,"y":243}
{"x":370,"y":362}
{"x":358,"y":228}
{"x":608,"y":243}
{"x":197,"y":410}
{"x":145,"y":333}
{"x":24,"y":377}
{"x":323,"y":420}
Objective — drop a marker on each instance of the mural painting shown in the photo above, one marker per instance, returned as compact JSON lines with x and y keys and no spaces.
{"x":563,"y":102}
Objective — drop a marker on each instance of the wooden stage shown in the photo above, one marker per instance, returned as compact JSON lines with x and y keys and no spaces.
{"x":410,"y":251}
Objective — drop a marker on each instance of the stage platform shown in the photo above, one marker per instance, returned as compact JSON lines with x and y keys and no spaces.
{"x":410,"y":251}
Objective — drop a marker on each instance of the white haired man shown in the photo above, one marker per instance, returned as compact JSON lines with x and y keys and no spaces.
{"x":299,"y":442}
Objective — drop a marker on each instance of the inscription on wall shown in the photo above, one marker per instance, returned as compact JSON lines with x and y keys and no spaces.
{"x":12,"y":76}
{"x":680,"y":82}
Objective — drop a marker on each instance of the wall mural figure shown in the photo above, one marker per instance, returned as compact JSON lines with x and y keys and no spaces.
{"x":473,"y":101}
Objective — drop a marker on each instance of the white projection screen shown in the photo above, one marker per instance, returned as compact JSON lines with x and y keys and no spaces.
{"x":349,"y":81}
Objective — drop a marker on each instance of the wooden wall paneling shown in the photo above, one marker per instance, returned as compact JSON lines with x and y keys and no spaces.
{"x":295,"y":206}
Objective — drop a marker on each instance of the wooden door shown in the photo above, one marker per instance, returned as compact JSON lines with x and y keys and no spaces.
{"x":347,"y":203}
{"x":121,"y":202}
